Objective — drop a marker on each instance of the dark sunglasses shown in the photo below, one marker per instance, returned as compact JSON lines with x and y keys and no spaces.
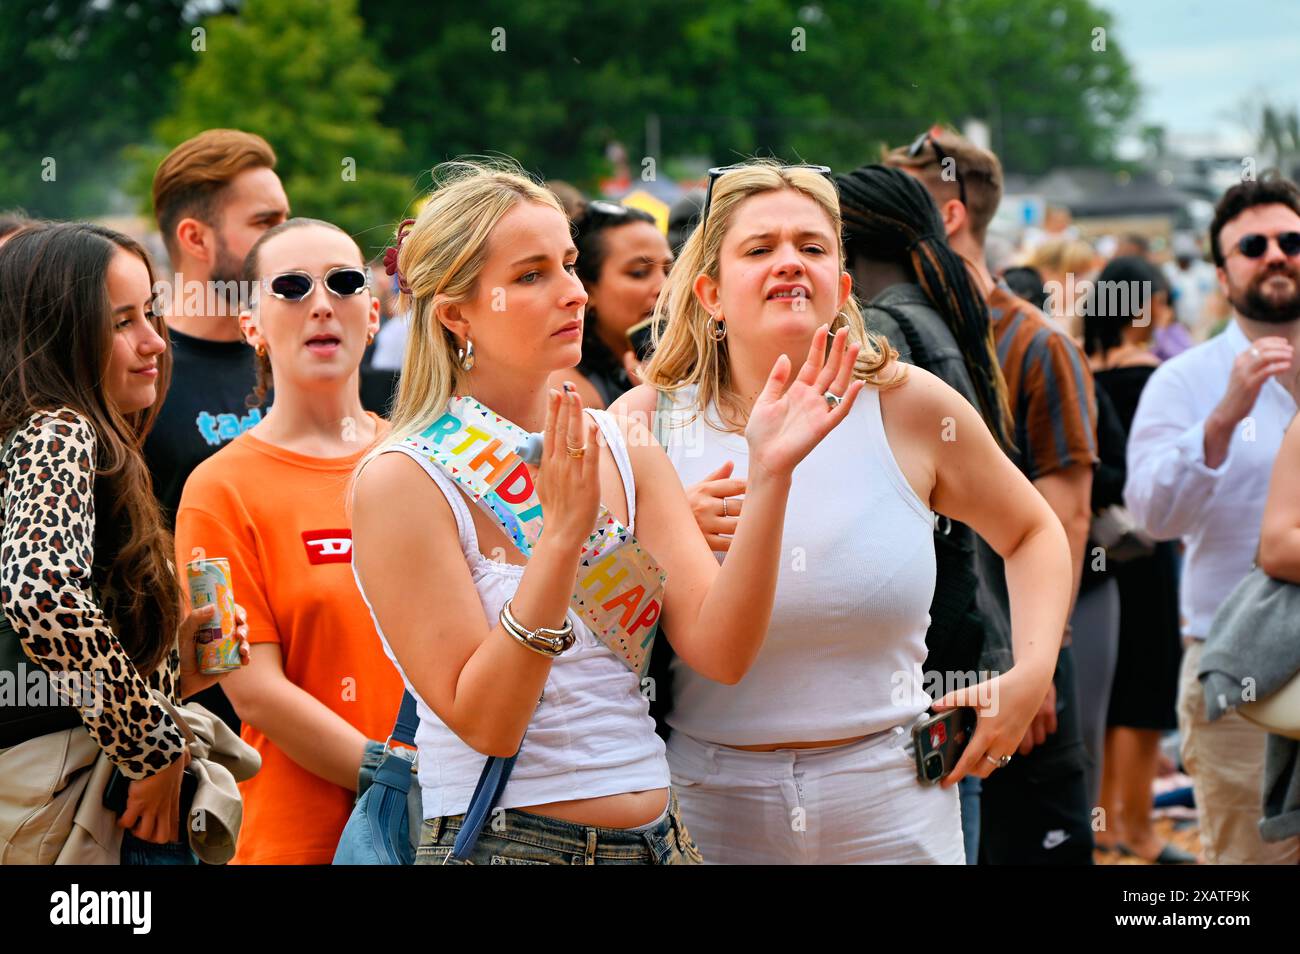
{"x":717,"y":172}
{"x":1255,"y":245}
{"x":344,"y":281}
{"x":927,"y":138}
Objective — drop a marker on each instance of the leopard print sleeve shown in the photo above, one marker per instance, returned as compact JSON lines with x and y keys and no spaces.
{"x":48,"y":596}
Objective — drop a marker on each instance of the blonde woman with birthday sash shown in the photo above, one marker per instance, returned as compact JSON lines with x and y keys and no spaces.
{"x":808,"y":757}
{"x":505,"y":633}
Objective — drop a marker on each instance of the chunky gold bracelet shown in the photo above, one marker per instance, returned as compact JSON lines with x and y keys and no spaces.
{"x":544,"y":641}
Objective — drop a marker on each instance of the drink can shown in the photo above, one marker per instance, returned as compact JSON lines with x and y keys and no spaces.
{"x":216,"y":644}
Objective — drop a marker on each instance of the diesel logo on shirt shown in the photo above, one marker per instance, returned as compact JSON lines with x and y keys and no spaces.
{"x":328,"y":546}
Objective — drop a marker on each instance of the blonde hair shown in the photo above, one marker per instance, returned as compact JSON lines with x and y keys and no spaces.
{"x":686,"y":353}
{"x":441,"y":259}
{"x":1063,"y":255}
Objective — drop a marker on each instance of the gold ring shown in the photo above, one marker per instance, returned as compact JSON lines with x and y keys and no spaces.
{"x":576,"y":452}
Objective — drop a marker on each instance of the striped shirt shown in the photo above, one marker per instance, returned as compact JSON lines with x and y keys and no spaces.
{"x":1050,"y":386}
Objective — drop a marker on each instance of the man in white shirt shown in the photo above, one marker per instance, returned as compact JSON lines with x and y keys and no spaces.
{"x":1200,"y":455}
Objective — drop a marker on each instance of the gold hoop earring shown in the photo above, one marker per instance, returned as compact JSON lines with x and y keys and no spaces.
{"x":370,"y":339}
{"x":717,"y":327}
{"x":261,"y":350}
{"x":465,"y":356}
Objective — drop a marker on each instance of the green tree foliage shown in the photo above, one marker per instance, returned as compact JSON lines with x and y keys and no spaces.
{"x":828,"y":81}
{"x":1055,"y":91}
{"x":301,"y":74}
{"x":81,"y":79}
{"x":550,"y":83}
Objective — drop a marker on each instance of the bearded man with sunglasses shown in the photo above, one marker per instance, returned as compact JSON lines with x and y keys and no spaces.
{"x":1200,"y":457}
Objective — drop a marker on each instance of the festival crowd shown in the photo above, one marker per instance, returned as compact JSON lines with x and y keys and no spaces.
{"x":840,"y":494}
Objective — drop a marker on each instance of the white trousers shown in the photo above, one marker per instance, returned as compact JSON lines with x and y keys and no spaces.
{"x":859,"y":803}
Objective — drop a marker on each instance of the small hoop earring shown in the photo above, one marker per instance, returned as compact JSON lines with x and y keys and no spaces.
{"x":717,"y":327}
{"x":465,"y":356}
{"x":261,"y":350}
{"x":370,"y":339}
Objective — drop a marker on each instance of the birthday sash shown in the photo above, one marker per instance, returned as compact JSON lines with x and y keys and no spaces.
{"x":619,"y":589}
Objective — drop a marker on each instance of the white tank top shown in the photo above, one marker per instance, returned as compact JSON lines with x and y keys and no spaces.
{"x":846,"y":642}
{"x":591,"y":735}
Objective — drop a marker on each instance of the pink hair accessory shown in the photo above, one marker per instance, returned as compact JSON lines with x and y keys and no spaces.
{"x":390,"y":255}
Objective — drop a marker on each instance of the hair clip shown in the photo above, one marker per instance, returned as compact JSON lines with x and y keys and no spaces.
{"x":390,"y":255}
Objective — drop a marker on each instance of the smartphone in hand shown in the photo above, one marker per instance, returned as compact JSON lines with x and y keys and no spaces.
{"x":939,"y":742}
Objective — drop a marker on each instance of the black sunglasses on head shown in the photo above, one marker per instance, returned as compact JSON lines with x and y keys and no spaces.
{"x":1255,"y":245}
{"x":927,"y":138}
{"x":717,"y":172}
{"x":342,"y":281}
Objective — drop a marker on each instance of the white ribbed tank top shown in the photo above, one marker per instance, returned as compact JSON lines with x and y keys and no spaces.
{"x":846,"y":643}
{"x":591,"y":735}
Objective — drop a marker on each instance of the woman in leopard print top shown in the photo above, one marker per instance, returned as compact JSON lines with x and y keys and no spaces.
{"x":85,"y":577}
{"x":48,"y":588}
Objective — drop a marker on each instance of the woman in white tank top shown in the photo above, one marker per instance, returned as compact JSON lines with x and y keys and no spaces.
{"x":806,"y":759}
{"x":496,"y":309}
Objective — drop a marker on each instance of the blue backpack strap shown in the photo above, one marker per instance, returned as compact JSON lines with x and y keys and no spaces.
{"x":491,"y":783}
{"x":408,"y":720}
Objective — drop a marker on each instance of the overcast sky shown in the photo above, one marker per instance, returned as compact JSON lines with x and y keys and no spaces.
{"x":1198,"y":59}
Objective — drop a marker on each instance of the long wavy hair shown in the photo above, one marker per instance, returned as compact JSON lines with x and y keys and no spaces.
{"x":56,"y":337}
{"x":889,"y":216}
{"x":441,"y":259}
{"x":687,"y":354}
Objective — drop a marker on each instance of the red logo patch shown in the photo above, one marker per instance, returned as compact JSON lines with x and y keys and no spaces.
{"x":938,"y":735}
{"x":328,"y":546}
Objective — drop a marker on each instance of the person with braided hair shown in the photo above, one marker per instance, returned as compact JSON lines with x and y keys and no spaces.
{"x":1038,"y":812}
{"x":919,"y":295}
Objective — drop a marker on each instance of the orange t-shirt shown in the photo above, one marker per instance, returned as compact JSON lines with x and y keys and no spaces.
{"x":280,"y":519}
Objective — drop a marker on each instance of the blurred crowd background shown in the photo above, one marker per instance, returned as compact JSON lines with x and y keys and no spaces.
{"x":635,"y":101}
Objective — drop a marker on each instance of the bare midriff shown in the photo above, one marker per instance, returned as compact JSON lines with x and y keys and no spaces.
{"x":628,"y":810}
{"x":774,"y":746}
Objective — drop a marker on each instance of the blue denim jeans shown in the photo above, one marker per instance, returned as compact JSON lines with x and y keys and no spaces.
{"x":969,"y":790}
{"x":137,"y":852}
{"x":513,"y":837}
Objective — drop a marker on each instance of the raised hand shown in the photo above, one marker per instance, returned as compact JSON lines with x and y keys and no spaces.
{"x":1265,"y":358}
{"x":784,"y":427}
{"x":569,"y":485}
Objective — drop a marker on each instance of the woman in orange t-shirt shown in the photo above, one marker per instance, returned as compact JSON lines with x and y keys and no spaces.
{"x":319,"y":690}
